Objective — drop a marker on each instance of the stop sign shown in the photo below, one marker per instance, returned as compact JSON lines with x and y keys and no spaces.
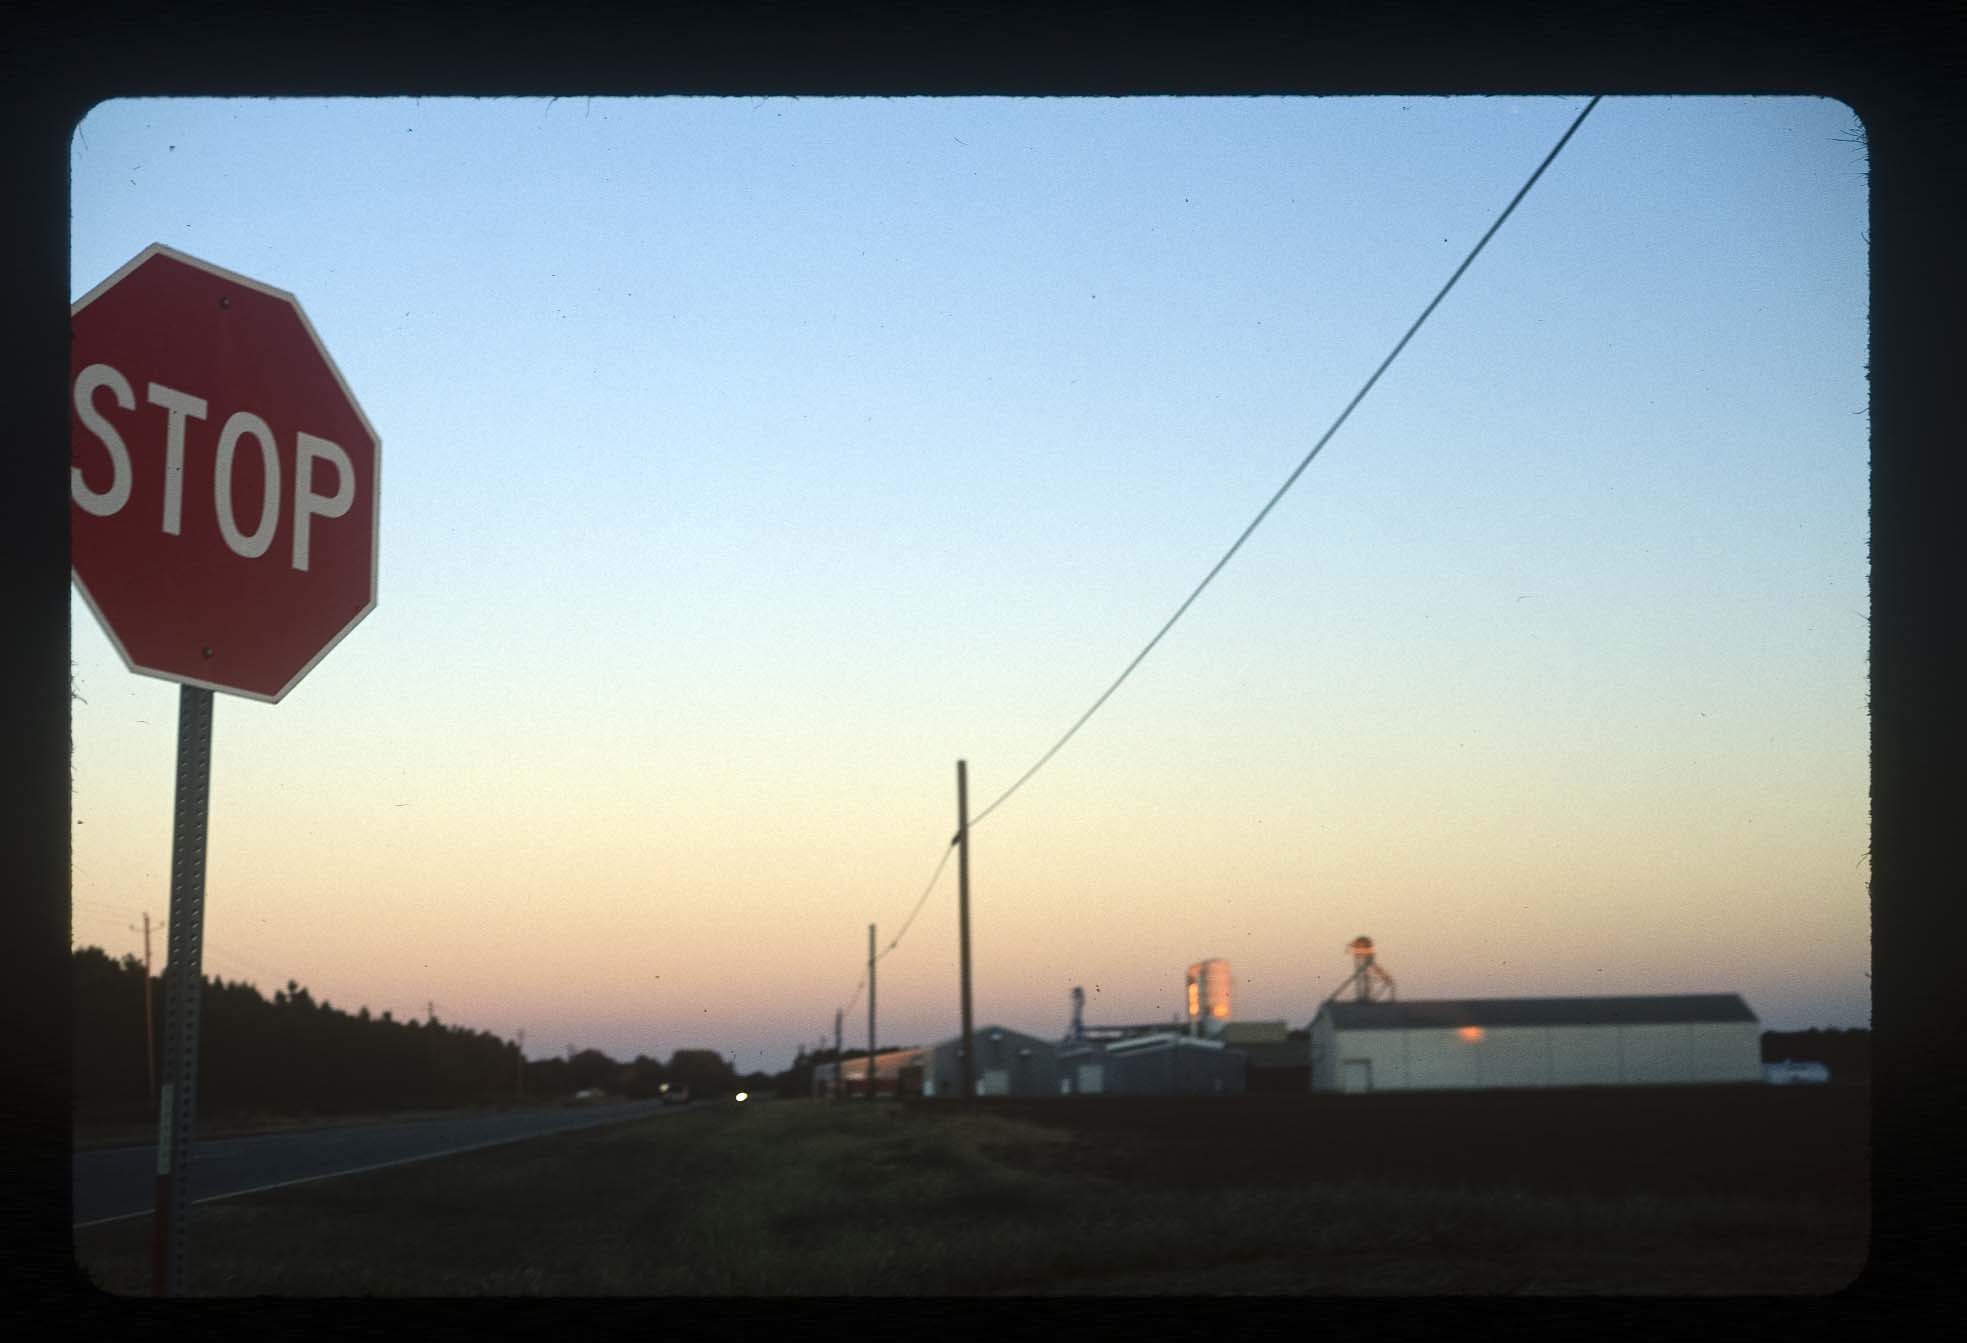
{"x":222,"y":480}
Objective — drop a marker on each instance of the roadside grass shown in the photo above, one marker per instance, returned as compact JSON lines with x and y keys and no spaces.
{"x":806,"y":1199}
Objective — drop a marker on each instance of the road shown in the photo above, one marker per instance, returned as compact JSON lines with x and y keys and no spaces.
{"x":122,"y":1181}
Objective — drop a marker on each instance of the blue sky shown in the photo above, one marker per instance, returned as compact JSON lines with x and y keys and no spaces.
{"x":748,"y":461}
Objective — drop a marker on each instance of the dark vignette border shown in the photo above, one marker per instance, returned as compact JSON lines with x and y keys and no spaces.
{"x":1897,"y":68}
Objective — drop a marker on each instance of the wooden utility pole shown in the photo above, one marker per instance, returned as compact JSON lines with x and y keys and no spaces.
{"x":521,"y":1088}
{"x":839,"y":1056}
{"x":870,"y":1011}
{"x":963,"y":924}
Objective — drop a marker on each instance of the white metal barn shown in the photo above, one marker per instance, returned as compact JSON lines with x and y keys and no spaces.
{"x":1534,"y":1042}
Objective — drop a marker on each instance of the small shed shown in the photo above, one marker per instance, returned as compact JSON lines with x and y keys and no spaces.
{"x":1276,"y":1058}
{"x":897,"y":1072}
{"x":1535,"y":1042}
{"x":1009,"y":1063}
{"x":1168,"y":1063}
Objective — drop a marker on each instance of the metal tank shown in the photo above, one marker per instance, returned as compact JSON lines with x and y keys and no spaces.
{"x":1369,"y":982}
{"x":1208,"y":997}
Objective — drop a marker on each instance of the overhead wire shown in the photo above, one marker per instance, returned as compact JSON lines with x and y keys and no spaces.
{"x":1292,"y":479}
{"x":1255,"y":522}
{"x":922,"y":899}
{"x":106,"y":906}
{"x":895,"y":941}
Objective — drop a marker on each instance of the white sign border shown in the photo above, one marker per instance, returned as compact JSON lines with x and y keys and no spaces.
{"x":375,"y":488}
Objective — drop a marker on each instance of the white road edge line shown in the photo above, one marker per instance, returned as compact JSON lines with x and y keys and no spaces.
{"x":336,"y":1174}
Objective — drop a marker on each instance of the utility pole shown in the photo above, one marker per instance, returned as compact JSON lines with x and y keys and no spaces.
{"x":963,"y":925}
{"x":520,"y":1089}
{"x":870,"y":1011}
{"x":839,"y":1062}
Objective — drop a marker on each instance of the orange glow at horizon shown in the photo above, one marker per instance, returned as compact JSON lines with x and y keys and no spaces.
{"x":1470,"y":1033}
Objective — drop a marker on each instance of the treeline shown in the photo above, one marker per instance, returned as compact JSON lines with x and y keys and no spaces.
{"x":291,"y":1055}
{"x":1847,"y":1053}
{"x":287,"y":1054}
{"x":704,"y":1072}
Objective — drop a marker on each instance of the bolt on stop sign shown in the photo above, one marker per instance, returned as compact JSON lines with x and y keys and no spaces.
{"x":223,"y":481}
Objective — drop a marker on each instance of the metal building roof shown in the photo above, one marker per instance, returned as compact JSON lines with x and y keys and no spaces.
{"x":1448,"y":1013}
{"x":995,"y":1034}
{"x":1142,"y":1044}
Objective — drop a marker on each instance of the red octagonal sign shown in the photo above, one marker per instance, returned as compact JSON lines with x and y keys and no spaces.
{"x":222,"y":480}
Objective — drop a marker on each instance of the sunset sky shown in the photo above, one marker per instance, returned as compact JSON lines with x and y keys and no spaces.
{"x":747,"y":462}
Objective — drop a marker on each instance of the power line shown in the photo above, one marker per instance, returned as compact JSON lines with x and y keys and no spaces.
{"x":258,"y":967}
{"x":119,"y":916}
{"x":920,"y":900}
{"x":108,"y":906}
{"x":1262,"y":513}
{"x":1293,"y":477}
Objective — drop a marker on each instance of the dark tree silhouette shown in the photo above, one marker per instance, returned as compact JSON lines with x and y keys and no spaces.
{"x":591,"y":1068}
{"x":704,"y":1071}
{"x":292,"y":1055}
{"x":286,"y":1055}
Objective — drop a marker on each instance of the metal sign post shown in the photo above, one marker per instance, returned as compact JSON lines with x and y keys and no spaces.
{"x":180,"y":372}
{"x":177,"y":1105}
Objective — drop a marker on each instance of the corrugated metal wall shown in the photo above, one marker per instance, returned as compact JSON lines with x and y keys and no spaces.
{"x":1536,"y":1056}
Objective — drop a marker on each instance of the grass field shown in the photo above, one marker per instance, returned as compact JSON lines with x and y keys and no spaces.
{"x":803,"y":1198}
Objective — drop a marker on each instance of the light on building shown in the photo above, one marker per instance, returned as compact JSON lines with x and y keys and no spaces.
{"x":1470,"y":1033}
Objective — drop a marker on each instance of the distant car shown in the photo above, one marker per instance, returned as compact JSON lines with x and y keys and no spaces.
{"x":673,"y":1094}
{"x":1792,"y":1071}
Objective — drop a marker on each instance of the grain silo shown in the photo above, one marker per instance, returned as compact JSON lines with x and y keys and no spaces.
{"x":1208,"y":997}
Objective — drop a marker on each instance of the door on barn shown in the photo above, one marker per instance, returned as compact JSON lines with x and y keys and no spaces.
{"x":1358,"y":1075}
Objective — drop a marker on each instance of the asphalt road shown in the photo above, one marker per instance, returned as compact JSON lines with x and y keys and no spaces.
{"x":122,"y":1181}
